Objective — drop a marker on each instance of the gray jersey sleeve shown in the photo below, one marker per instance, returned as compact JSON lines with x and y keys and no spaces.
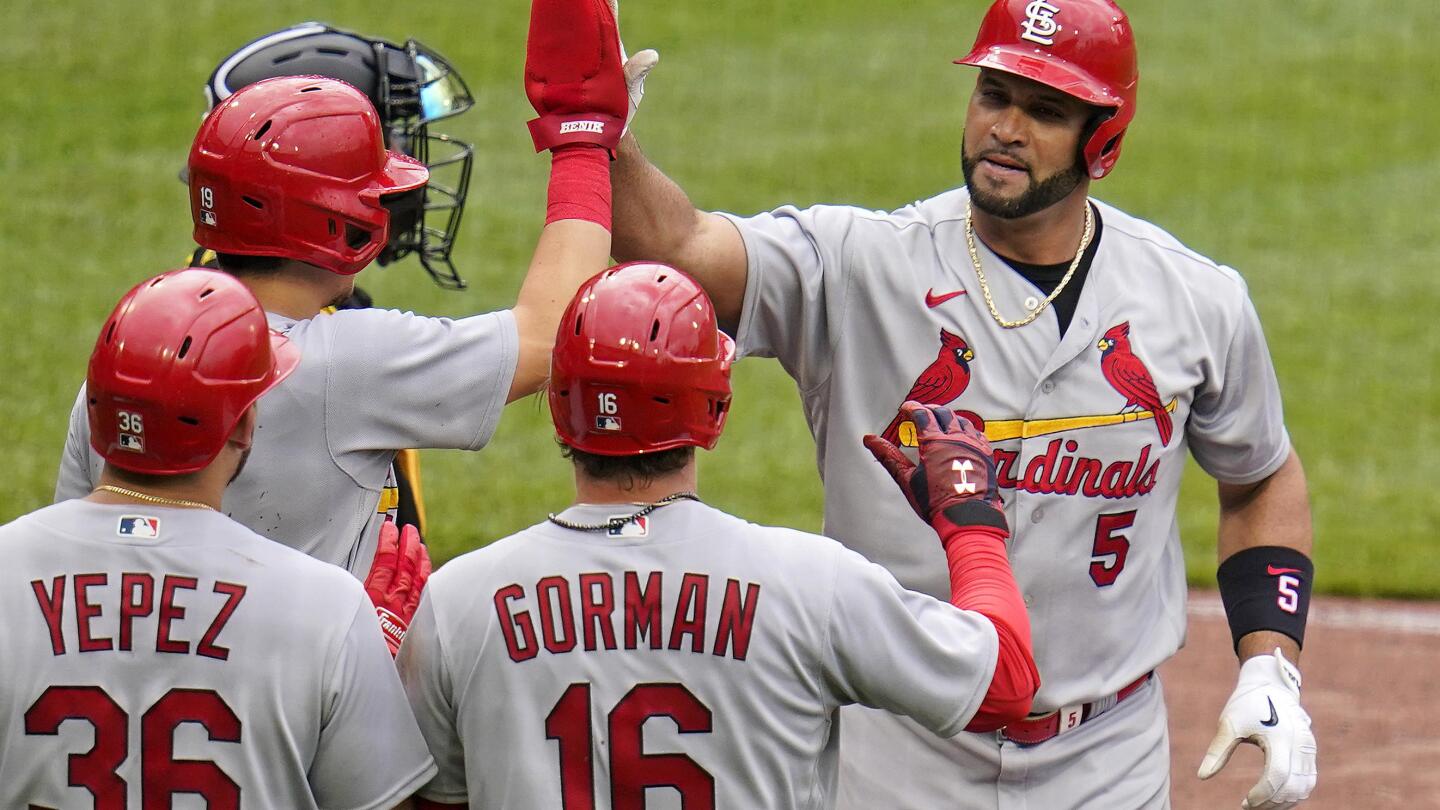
{"x":77,"y":477}
{"x":906,"y":652}
{"x":1237,"y":426}
{"x":399,"y":380}
{"x":796,"y":287}
{"x":371,"y":754}
{"x":427,"y":683}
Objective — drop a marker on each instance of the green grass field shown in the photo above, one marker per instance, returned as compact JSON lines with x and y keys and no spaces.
{"x":1294,"y":142}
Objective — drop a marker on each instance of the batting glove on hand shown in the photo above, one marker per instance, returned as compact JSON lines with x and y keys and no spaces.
{"x":397,"y":578}
{"x":574,"y":74}
{"x":955,"y":479}
{"x":1264,"y":710}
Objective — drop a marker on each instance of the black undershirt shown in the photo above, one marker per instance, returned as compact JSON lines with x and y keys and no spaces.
{"x":1046,"y":276}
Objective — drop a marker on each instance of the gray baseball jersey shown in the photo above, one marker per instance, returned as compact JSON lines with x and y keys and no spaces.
{"x":173,"y":649}
{"x":1164,"y":353}
{"x":692,"y":658}
{"x":370,"y":382}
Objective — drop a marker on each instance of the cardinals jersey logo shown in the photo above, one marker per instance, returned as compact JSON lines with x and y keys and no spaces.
{"x":941,"y":383}
{"x":138,"y":526}
{"x":1128,"y":375}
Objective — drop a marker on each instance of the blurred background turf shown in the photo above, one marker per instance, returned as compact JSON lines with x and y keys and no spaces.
{"x":1294,"y":142}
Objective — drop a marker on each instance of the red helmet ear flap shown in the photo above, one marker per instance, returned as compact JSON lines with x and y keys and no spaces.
{"x":640,"y":365}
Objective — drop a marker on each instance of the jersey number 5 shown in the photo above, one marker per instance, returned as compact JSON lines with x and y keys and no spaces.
{"x":1108,"y":554}
{"x":161,"y":775}
{"x":631,"y":769}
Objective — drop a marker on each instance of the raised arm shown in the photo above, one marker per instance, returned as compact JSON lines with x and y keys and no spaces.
{"x":953,"y":489}
{"x":575,"y":80}
{"x":655,"y":221}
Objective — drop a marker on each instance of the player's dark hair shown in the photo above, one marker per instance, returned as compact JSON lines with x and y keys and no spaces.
{"x":631,"y":472}
{"x":239,"y":266}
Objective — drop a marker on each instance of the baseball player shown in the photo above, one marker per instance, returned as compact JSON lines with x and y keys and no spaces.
{"x":288,"y":185}
{"x":1095,"y":350}
{"x":653,"y":651}
{"x":412,"y":86}
{"x":159,"y":653}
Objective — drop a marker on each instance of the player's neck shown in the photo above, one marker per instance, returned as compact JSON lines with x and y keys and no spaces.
{"x":598,"y":490}
{"x":204,"y":487}
{"x":297,"y":290}
{"x":1048,"y":236}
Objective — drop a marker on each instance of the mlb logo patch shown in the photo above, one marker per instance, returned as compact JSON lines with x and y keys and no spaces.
{"x":208,"y":218}
{"x":634,"y":527}
{"x":607,"y":423}
{"x":138,"y":526}
{"x":131,"y":442}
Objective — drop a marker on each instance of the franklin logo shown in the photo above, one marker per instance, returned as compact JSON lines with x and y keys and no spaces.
{"x":597,"y":127}
{"x":1039,"y":23}
{"x":138,"y":526}
{"x":391,"y":625}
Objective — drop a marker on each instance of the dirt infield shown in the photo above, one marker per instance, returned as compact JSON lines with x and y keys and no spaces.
{"x":1372,"y":685}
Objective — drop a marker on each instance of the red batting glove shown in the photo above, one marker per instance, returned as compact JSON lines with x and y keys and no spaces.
{"x":397,"y":578}
{"x":955,"y":479}
{"x":574,"y":74}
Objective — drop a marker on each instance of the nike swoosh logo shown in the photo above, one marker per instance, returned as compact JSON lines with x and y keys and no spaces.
{"x":932,"y":300}
{"x":1274,"y":718}
{"x":1275,"y":572}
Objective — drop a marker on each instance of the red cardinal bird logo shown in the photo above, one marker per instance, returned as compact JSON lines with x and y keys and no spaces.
{"x":941,"y":382}
{"x":1127,"y":374}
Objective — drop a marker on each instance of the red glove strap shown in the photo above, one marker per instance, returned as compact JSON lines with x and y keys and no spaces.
{"x":981,"y":581}
{"x":579,"y":185}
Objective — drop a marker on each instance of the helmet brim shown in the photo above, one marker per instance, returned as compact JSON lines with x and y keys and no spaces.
{"x":402,"y":173}
{"x":1044,"y":67}
{"x":286,"y":355}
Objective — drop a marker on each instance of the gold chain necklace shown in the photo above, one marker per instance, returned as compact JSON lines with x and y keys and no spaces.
{"x":985,"y":286}
{"x":141,"y":496}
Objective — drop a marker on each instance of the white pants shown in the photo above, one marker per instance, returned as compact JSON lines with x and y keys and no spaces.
{"x":1117,"y":761}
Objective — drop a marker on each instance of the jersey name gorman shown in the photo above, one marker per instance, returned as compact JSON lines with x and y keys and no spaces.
{"x":143,"y":605}
{"x":626,"y":612}
{"x":1061,"y":471}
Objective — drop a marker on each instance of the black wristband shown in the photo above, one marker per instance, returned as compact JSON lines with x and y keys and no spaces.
{"x":1266,"y":588}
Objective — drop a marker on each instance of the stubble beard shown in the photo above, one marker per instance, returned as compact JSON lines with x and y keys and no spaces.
{"x":1036,"y":197}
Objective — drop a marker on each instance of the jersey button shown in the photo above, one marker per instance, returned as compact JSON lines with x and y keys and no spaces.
{"x":1047,"y":386}
{"x":1037,"y":516}
{"x":1031,"y":303}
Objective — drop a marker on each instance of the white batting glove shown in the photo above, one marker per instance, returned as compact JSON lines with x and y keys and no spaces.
{"x":637,"y":67}
{"x":1265,"y":710}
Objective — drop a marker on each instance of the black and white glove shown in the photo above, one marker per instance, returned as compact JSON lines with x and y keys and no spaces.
{"x":1264,"y":710}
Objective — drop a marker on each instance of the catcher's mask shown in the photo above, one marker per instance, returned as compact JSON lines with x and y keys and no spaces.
{"x":639,"y":365}
{"x":178,"y":362}
{"x":411,"y":86}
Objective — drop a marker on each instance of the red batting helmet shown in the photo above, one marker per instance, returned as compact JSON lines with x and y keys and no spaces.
{"x":639,"y":364}
{"x":295,"y":167}
{"x":180,"y":360}
{"x":1083,"y":48}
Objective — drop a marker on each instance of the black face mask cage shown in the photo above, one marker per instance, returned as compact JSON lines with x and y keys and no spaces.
{"x":418,"y":86}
